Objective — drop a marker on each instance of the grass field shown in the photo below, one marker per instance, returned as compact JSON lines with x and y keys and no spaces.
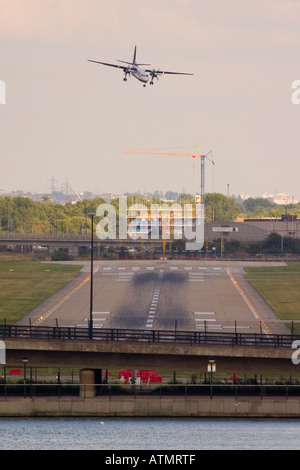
{"x":280,"y":287}
{"x":24,"y":284}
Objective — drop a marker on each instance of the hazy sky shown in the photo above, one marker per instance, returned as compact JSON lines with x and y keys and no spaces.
{"x":68,"y":118}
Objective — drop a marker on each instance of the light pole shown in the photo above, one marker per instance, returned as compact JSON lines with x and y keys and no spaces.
{"x":91,"y":286}
{"x":211,"y":367}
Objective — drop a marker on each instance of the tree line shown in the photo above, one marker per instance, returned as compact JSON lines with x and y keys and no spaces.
{"x":23,"y":215}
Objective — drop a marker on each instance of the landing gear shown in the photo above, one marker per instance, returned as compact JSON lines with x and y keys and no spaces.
{"x":153,"y":75}
{"x":126,"y":72}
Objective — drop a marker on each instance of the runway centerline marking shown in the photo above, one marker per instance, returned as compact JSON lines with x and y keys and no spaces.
{"x":154,"y":301}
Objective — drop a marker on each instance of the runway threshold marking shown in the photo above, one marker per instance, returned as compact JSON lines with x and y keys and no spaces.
{"x":248,"y":301}
{"x":204,"y":313}
{"x":125,"y":276}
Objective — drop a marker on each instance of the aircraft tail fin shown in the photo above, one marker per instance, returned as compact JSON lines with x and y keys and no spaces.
{"x":133,"y":60}
{"x":134,"y":56}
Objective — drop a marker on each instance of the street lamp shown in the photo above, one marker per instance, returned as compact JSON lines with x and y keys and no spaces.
{"x":211,"y":368}
{"x":91,"y":286}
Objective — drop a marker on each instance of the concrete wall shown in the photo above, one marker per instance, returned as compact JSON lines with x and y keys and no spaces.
{"x":140,"y":355}
{"x":169,"y":406}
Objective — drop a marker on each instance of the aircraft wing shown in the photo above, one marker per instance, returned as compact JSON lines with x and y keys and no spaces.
{"x":162,"y":72}
{"x":110,"y":65}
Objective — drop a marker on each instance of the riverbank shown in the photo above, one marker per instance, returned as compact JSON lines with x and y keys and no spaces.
{"x":164,"y":406}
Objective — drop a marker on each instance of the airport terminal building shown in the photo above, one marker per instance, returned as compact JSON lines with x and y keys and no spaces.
{"x":254,"y":230}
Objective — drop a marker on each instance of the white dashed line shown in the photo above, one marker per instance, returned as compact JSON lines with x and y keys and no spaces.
{"x":154,"y":301}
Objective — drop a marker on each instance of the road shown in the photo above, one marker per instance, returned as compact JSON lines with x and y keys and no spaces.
{"x":187,"y":295}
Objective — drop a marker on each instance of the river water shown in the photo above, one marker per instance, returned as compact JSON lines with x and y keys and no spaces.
{"x":148,"y":434}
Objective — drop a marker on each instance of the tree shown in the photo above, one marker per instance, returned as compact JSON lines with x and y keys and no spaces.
{"x":251,"y":203}
{"x":220,"y":208}
{"x":272,"y":243}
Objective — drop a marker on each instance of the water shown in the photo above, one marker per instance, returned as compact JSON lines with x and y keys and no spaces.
{"x":148,"y":434}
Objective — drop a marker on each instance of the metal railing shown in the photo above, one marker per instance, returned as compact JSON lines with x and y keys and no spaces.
{"x":13,"y":236}
{"x":58,"y":390}
{"x":67,"y":333}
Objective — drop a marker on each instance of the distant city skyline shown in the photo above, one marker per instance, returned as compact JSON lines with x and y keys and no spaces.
{"x":71,"y":195}
{"x":65,"y":117}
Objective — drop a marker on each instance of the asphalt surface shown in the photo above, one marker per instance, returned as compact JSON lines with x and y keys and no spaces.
{"x":187,"y":295}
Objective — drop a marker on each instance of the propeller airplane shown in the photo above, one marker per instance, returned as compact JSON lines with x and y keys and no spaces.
{"x":141,"y":74}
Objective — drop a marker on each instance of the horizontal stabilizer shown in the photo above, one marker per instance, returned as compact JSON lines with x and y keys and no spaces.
{"x":130,"y":63}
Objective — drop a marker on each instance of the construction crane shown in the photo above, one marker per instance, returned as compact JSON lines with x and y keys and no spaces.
{"x":74,"y":192}
{"x":195,"y":155}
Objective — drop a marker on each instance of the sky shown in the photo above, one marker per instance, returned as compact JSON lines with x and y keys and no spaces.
{"x":71,"y":120}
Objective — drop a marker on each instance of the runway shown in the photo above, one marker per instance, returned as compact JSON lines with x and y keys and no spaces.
{"x":164,"y":295}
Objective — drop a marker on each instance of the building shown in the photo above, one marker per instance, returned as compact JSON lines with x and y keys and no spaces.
{"x":254,"y":230}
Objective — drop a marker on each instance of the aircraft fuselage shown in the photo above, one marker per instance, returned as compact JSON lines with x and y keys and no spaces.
{"x":140,"y":74}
